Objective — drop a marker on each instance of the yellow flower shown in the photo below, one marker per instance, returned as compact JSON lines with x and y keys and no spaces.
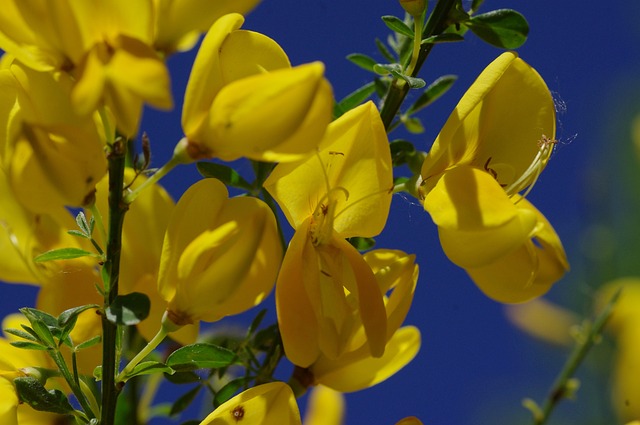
{"x":326,"y":292}
{"x":624,"y":324}
{"x":494,"y":146}
{"x":52,"y":156}
{"x":243,"y":99}
{"x":272,"y":403}
{"x":179,"y":23}
{"x":142,"y":237}
{"x":220,"y":256}
{"x":356,"y":368}
{"x":104,"y":45}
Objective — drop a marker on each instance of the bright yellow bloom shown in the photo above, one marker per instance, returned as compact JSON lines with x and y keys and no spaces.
{"x":220,"y":256}
{"x":179,"y":23}
{"x":142,"y":237}
{"x":545,"y":321}
{"x":266,"y":404}
{"x":355,"y":369}
{"x":624,"y":324}
{"x":52,"y":156}
{"x":104,"y":45}
{"x":243,"y":99}
{"x":494,"y":145}
{"x":326,"y":292}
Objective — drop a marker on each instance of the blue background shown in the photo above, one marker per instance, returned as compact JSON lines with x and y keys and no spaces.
{"x":474,"y":367}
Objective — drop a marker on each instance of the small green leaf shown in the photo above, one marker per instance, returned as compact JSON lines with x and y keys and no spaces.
{"x":200,"y":356}
{"x":149,"y":367}
{"x":362,"y":244}
{"x":32,"y":392}
{"x":432,"y":93}
{"x":72,"y":313}
{"x":78,"y":233}
{"x":128,"y":309}
{"x":81,"y":221}
{"x":226,"y":392}
{"x":413,"y":125}
{"x":385,"y":69}
{"x":89,"y":343}
{"x":388,"y":55}
{"x":363,"y":61}
{"x":353,"y":99}
{"x":447,"y":37}
{"x":97,"y":373}
{"x":21,"y":334}
{"x":401,"y":151}
{"x":225,"y":174}
{"x":185,"y":377}
{"x":28,"y":345}
{"x":255,"y":323}
{"x":504,"y":28}
{"x":397,"y":25}
{"x":184,"y":400}
{"x":63,"y":254}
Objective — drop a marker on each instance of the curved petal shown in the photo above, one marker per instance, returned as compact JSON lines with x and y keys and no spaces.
{"x":324,"y":407}
{"x":352,"y":373}
{"x":499,"y":120}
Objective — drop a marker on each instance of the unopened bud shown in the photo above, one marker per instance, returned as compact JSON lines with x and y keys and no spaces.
{"x":414,"y":8}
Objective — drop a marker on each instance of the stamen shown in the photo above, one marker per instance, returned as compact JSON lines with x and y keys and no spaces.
{"x":528,"y":179}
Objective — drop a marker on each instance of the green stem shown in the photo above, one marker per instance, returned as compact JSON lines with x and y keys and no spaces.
{"x":154,"y":178}
{"x":73,"y":384}
{"x":398,"y":89}
{"x":155,"y":341}
{"x":560,"y":389}
{"x":117,"y":209}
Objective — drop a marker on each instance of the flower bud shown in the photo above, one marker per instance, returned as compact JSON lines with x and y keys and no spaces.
{"x":220,"y":256}
{"x":414,"y":8}
{"x":243,"y":99}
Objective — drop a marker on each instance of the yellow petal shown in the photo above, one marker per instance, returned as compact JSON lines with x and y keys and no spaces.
{"x":266,"y":404}
{"x":469,"y":199}
{"x":497,"y":123}
{"x":288,"y":108}
{"x":354,"y":157}
{"x":324,"y":407}
{"x":296,"y":319}
{"x":8,"y":403}
{"x":177,"y":21}
{"x":355,"y":372}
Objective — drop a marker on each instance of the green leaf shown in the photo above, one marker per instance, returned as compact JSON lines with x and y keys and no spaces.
{"x":32,"y":392}
{"x":362,"y":244}
{"x":97,"y":373}
{"x":397,"y":25}
{"x":185,"y":377}
{"x":255,"y":323}
{"x":226,"y":392}
{"x":149,"y":367}
{"x":385,"y":69}
{"x":89,"y":343}
{"x":432,"y":93}
{"x":43,"y":332}
{"x":21,"y":334}
{"x":184,"y":401}
{"x":63,"y":254}
{"x":353,"y":99}
{"x":447,"y":37}
{"x":401,"y":150}
{"x":72,"y":313}
{"x":78,"y":233}
{"x":504,"y":28}
{"x":413,"y":125}
{"x":28,"y":345}
{"x":200,"y":356}
{"x":81,"y":221}
{"x":128,"y":309}
{"x":363,"y":61}
{"x":382,"y":48}
{"x":225,"y":174}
